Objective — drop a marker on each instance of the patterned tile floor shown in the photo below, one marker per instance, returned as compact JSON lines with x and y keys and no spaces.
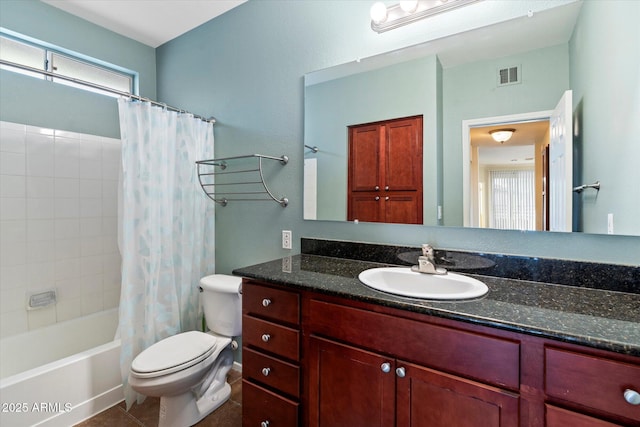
{"x":146,"y":414}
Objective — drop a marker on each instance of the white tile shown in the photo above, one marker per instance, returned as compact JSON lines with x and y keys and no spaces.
{"x":67,"y":208}
{"x":90,"y":188}
{"x":13,"y":322}
{"x":12,"y":299}
{"x":16,"y":255}
{"x":109,"y":226}
{"x":36,"y":130}
{"x":12,"y":139}
{"x":110,"y":245}
{"x":91,"y":266}
{"x":67,"y":268}
{"x":92,"y":303}
{"x":90,"y":227}
{"x":42,"y":317}
{"x":13,"y":231}
{"x":90,"y":169}
{"x":67,"y":158}
{"x":67,"y":134}
{"x":67,"y":228}
{"x":90,"y":208}
{"x":110,"y":170}
{"x":12,"y":163}
{"x":41,"y":251}
{"x":69,"y":288}
{"x":68,"y":309}
{"x":12,"y":208}
{"x":13,"y":277}
{"x":40,"y":155}
{"x":111,"y":299}
{"x":40,"y":208}
{"x":13,"y":186}
{"x":91,"y":245}
{"x":90,"y":149}
{"x":40,"y":229}
{"x":41,"y":275}
{"x":67,"y":187}
{"x":40,"y":186}
{"x":67,"y":248}
{"x":111,"y":153}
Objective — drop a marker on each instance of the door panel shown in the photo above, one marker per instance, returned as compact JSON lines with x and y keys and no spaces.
{"x":364,"y":158}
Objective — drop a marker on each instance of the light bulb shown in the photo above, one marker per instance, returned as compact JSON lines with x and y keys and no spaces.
{"x":409,"y":6}
{"x":378,"y":12}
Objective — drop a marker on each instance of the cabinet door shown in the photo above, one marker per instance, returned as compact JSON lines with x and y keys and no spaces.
{"x":403,"y":155}
{"x":435,"y":399}
{"x":558,"y":417}
{"x":349,"y":386}
{"x":364,"y":158}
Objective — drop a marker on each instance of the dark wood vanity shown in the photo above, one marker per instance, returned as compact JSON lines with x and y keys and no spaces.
{"x":315,"y":359}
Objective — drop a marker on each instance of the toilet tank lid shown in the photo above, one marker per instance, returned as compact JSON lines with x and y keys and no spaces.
{"x":221,"y":283}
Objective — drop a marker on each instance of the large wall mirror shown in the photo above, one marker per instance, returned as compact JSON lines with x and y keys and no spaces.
{"x":510,"y":75}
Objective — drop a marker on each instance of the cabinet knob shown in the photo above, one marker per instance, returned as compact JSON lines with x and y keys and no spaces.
{"x":386,"y":188}
{"x":377,"y":188}
{"x":266,"y":371}
{"x":266,"y":302}
{"x":386,"y":367}
{"x":400,"y":372}
{"x":264,"y":424}
{"x":632,"y":397}
{"x":377,"y":198}
{"x":386,"y":198}
{"x":266,"y":337}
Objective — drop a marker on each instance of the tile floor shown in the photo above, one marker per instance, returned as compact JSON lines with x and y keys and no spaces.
{"x":146,"y":414}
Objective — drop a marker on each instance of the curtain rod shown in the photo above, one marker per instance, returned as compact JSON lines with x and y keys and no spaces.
{"x":104,"y":88}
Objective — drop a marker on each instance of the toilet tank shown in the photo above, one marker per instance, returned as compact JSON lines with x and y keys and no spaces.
{"x":222,"y":304}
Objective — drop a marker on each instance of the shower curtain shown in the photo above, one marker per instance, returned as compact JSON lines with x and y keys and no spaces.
{"x":165,"y":227}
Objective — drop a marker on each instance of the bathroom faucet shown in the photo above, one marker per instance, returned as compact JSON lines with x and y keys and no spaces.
{"x":427,"y":262}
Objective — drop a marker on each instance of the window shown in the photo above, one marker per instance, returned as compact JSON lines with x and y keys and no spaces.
{"x":512,"y":203}
{"x":65,"y":63}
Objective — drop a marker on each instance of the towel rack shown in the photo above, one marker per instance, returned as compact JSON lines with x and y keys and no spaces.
{"x":219,"y":184}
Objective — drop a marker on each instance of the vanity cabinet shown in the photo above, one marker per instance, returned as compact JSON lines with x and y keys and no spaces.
{"x":375,"y":384}
{"x":335,"y":361}
{"x":270,"y":356}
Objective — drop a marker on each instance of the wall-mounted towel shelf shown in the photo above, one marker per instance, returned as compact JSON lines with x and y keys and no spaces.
{"x":244,"y":179}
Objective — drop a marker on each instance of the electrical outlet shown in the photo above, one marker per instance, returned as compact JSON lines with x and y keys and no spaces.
{"x":286,"y":264}
{"x":610,"y":223}
{"x":286,"y":239}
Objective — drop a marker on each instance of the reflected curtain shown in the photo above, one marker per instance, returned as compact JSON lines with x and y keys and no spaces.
{"x":165,"y":227}
{"x":512,"y":199}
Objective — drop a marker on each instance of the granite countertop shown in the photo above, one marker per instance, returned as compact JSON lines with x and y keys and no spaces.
{"x":603,"y":319}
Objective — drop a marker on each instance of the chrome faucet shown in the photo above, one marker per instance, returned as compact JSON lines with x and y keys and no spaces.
{"x":427,"y":262}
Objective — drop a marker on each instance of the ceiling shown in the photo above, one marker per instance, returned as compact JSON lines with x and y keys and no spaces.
{"x":151,"y":22}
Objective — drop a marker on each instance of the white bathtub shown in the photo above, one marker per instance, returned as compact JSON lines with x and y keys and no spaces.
{"x":61,"y":374}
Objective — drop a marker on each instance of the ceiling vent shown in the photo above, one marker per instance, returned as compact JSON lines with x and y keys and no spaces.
{"x":509,"y":75}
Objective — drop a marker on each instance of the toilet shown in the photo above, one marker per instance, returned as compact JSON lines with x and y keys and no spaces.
{"x":188,"y":371}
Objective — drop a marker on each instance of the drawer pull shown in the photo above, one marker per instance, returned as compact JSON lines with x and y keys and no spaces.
{"x":266,"y":371}
{"x":266,"y":337}
{"x":400,"y":372}
{"x":632,"y":397}
{"x":264,"y":424}
{"x":386,"y":367}
{"x":266,"y":302}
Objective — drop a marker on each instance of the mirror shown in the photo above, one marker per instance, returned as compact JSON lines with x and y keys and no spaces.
{"x":454,"y":83}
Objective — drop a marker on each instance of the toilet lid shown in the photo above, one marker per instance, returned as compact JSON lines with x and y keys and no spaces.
{"x":173,"y":354}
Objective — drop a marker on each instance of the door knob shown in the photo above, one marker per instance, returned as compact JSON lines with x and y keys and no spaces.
{"x":632,"y":397}
{"x":266,"y":371}
{"x":266,"y":302}
{"x":266,"y":337}
{"x":386,"y":367}
{"x":400,"y":372}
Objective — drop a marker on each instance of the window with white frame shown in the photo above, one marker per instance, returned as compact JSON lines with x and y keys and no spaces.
{"x":512,"y":199}
{"x":67,"y":64}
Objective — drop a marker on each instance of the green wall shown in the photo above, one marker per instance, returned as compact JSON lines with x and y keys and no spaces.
{"x":246,"y":67}
{"x":36,"y":102}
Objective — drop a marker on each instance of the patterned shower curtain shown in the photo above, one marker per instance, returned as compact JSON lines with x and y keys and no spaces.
{"x":166,"y":227}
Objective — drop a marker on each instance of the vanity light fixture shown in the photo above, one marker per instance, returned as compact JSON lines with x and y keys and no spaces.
{"x":385,"y":18}
{"x":501,"y":135}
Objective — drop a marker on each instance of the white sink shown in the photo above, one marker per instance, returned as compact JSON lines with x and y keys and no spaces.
{"x":403,"y":281}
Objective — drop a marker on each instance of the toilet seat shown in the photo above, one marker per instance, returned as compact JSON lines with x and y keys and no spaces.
{"x":173,"y":354}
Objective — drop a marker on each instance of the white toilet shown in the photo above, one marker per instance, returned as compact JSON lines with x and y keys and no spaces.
{"x":188,"y":371}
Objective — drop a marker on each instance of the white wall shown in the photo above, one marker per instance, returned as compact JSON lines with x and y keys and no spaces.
{"x":58,"y":224}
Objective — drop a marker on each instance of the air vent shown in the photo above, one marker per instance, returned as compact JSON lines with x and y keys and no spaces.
{"x":509,"y":75}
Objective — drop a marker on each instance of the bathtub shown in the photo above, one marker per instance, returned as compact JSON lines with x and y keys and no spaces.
{"x":62,"y":374}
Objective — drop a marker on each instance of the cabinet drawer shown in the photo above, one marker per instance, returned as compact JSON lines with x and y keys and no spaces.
{"x":489,"y":359}
{"x":267,"y":370}
{"x":558,"y":417}
{"x":270,"y":303}
{"x":591,"y":381}
{"x":271,"y":337}
{"x":260,"y":405}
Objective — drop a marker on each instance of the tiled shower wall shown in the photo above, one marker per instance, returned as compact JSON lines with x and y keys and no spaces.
{"x":58,"y":224}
